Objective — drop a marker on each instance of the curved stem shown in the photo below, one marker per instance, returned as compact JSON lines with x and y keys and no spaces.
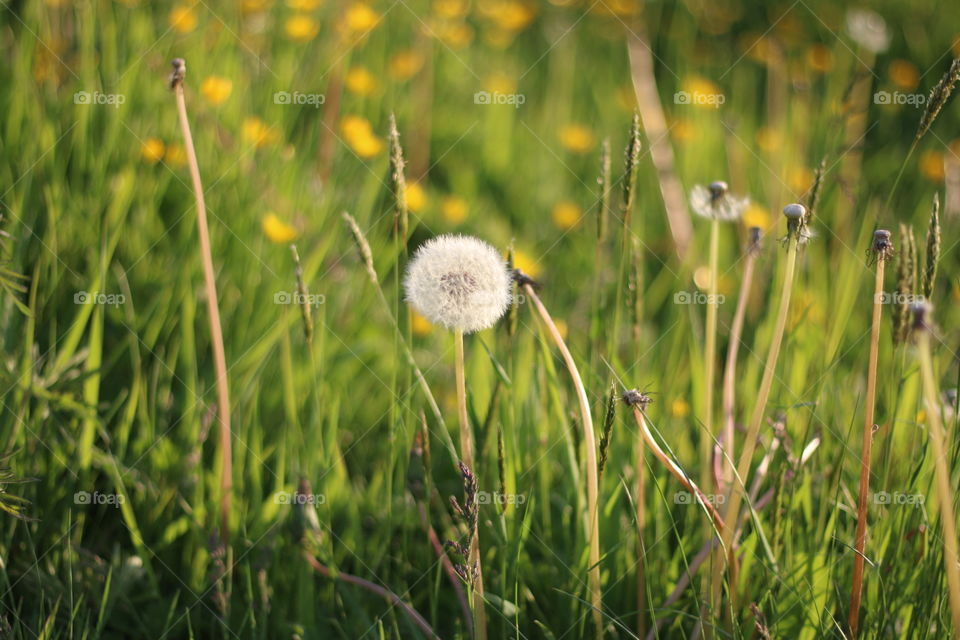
{"x":861,"y":534}
{"x":590,"y":447}
{"x":216,"y":334}
{"x":945,"y":497}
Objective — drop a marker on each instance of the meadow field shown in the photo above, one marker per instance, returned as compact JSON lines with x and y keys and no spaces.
{"x":698,"y":380}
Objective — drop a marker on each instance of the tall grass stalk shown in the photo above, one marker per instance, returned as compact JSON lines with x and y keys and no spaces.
{"x":590,"y":449}
{"x":881,"y":250}
{"x":795,"y":216}
{"x":216,"y":333}
{"x":710,"y":346}
{"x":944,"y":486}
{"x":466,"y":454}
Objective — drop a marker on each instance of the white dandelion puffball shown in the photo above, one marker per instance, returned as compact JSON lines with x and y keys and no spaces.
{"x":458,"y":282}
{"x":868,"y":29}
{"x":714,"y":201}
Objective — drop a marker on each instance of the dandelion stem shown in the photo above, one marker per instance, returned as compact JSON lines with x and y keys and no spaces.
{"x":861,"y":534}
{"x":590,"y":448}
{"x":710,"y":351}
{"x":950,"y":557}
{"x":738,"y":488}
{"x":466,"y":454}
{"x":216,"y":334}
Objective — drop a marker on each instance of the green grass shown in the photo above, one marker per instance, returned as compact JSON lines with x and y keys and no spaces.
{"x":119,"y":399}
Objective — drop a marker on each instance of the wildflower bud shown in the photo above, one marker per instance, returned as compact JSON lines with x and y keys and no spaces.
{"x":756,"y":234}
{"x":920,"y":312}
{"x":717,"y":190}
{"x":179,"y":71}
{"x":794,"y":211}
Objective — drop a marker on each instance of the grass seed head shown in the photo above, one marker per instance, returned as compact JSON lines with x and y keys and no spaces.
{"x":938,"y":97}
{"x":933,"y":249}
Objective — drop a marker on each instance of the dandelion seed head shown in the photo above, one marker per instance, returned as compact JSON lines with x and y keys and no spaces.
{"x":795,"y":211}
{"x":716,"y":202}
{"x":458,"y":282}
{"x":868,"y":29}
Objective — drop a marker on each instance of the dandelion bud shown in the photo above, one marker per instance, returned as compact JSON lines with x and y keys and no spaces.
{"x":458,"y":282}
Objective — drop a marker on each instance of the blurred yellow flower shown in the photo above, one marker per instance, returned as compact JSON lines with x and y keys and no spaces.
{"x":450,"y":8}
{"x":904,"y":75}
{"x":152,"y":150}
{"x":277,"y":230}
{"x":453,"y":209}
{"x":498,"y":38}
{"x":416,"y":197}
{"x":800,"y":179}
{"x":921,"y":416}
{"x":420,"y":325}
{"x":768,"y":140}
{"x":301,"y":28}
{"x":561,"y":327}
{"x":175,"y":155}
{"x":525,"y":263}
{"x":360,"y":18}
{"x":679,"y":408}
{"x":405,"y":64}
{"x":455,"y":35}
{"x":183,"y":19}
{"x":216,"y":89}
{"x":566,"y":215}
{"x":819,"y":58}
{"x":682,"y":130}
{"x":956,"y":47}
{"x":303,"y":5}
{"x":499,"y":82}
{"x":931,"y":165}
{"x":757,"y":216}
{"x":360,"y":81}
{"x":576,"y":138}
{"x":255,"y":131}
{"x":509,"y":15}
{"x":255,"y":6}
{"x":700,"y":92}
{"x":358,"y":133}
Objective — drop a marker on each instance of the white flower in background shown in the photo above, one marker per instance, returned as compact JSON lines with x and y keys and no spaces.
{"x":716,"y":202}
{"x":458,"y":282}
{"x":868,"y":29}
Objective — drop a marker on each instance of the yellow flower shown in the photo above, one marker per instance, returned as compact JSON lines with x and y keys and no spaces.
{"x":682,"y":130}
{"x":576,"y":138}
{"x":499,"y":83}
{"x":566,"y":215}
{"x":679,"y":408}
{"x":360,"y":81}
{"x":277,"y":230}
{"x":499,"y":38}
{"x":255,"y":6}
{"x":525,"y":263}
{"x":175,"y":155}
{"x":183,"y":19}
{"x":768,"y":140}
{"x":931,"y":166}
{"x":416,"y":197}
{"x":303,"y":5}
{"x":510,"y":15}
{"x":921,"y":416}
{"x":152,"y":150}
{"x":360,"y":18}
{"x":700,"y":92}
{"x":450,"y":8}
{"x":756,"y":216}
{"x":405,"y":64}
{"x":819,"y":58}
{"x":358,"y":133}
{"x":904,"y":75}
{"x":216,"y":89}
{"x":455,"y":35}
{"x":255,"y":131}
{"x":800,"y":179}
{"x":420,"y":325}
{"x":453,"y":209}
{"x":301,"y":28}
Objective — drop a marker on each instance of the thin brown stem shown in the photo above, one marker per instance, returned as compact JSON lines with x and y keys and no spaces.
{"x":213,"y":310}
{"x":466,"y":454}
{"x":861,"y":534}
{"x":641,"y":526}
{"x":374,"y":588}
{"x":590,"y":448}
